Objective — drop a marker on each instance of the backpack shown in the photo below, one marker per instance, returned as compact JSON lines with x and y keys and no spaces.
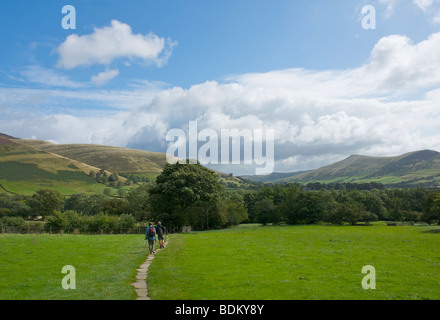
{"x":151,"y":232}
{"x":160,"y":231}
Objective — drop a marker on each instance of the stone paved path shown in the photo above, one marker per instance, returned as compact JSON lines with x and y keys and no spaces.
{"x":141,"y":278}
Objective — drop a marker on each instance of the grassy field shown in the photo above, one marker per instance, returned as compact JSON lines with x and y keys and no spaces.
{"x":29,"y":187}
{"x":30,"y":266}
{"x":243,"y":263}
{"x":299,"y":262}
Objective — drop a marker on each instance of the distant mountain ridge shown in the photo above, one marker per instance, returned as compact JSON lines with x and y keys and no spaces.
{"x":419,"y":168}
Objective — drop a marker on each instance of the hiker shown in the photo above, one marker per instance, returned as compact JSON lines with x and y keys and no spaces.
{"x":160,"y":234}
{"x":150,"y":234}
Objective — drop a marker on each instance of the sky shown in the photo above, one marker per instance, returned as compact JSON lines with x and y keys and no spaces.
{"x":125,"y":73}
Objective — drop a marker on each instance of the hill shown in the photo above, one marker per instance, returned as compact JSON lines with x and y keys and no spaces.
{"x":113,"y":159}
{"x":272,"y":177}
{"x":419,"y":168}
{"x":28,"y":165}
{"x":123,"y":161}
{"x":25,"y":169}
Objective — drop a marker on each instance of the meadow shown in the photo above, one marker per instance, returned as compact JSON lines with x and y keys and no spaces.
{"x":31,"y":266}
{"x":299,"y":263}
{"x":248,"y":262}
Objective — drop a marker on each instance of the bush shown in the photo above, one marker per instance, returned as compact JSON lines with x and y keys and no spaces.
{"x":412,"y":216}
{"x":13,"y":224}
{"x":56,"y":223}
{"x":126,"y":222}
{"x":35,"y":226}
{"x":71,"y":221}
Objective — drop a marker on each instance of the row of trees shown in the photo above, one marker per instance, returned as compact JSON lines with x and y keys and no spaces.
{"x":185,"y":194}
{"x":111,"y":179}
{"x":295,"y":205}
{"x":181,"y":195}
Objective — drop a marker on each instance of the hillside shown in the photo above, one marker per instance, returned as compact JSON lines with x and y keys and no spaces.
{"x":113,"y":159}
{"x":272,"y":177}
{"x":419,"y":168}
{"x":24,"y":169}
{"x":29,"y":165}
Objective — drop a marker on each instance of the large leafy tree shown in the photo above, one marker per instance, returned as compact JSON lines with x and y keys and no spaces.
{"x":45,"y":202}
{"x":184,"y":192}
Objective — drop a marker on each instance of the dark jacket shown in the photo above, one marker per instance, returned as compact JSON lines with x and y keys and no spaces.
{"x":160,"y":230}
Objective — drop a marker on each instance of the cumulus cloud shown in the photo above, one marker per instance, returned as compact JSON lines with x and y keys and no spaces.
{"x":396,"y":65}
{"x":387,"y":106}
{"x":112,"y":42}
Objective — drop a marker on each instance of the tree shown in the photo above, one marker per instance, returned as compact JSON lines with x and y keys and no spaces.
{"x":266,"y":211}
{"x":122,"y":192}
{"x":285,"y":207}
{"x":84,"y":203}
{"x":310,"y":207}
{"x":235,"y":210}
{"x":138,"y":200}
{"x":113,"y":177}
{"x":374,"y":204}
{"x":432,"y":209}
{"x":76,"y":202}
{"x":45,"y":202}
{"x":114,"y":207}
{"x":396,"y":211}
{"x":182,"y":190}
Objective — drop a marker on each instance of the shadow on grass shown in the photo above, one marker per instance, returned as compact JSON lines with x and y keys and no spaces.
{"x":432,"y":231}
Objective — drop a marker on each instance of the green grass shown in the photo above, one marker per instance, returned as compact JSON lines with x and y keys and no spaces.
{"x":243,"y":263}
{"x":299,"y":262}
{"x":31,"y":265}
{"x":28,"y":187}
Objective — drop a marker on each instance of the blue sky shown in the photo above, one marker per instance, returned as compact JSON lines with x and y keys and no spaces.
{"x":132,"y":70}
{"x":215,"y":38}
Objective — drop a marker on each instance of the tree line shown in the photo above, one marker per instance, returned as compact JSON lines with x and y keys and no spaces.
{"x":295,"y":204}
{"x":191,"y":195}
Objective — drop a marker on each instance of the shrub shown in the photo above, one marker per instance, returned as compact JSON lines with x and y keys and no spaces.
{"x":56,"y":223}
{"x":13,"y":224}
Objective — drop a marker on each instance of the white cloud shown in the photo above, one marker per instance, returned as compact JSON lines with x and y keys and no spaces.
{"x":104,"y":77}
{"x":390,"y":7}
{"x":112,"y":42}
{"x":47,"y":77}
{"x":396,"y":65}
{"x":423,"y":4}
{"x":387,"y":106}
{"x":428,"y":6}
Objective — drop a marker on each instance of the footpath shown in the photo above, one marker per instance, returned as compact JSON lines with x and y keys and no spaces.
{"x":141,"y":278}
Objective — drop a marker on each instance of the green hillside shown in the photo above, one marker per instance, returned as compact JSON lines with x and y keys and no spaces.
{"x":272,"y":177}
{"x":29,"y":165}
{"x":420,"y":168}
{"x":24,"y":169}
{"x":113,"y":159}
{"x":120,"y":160}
